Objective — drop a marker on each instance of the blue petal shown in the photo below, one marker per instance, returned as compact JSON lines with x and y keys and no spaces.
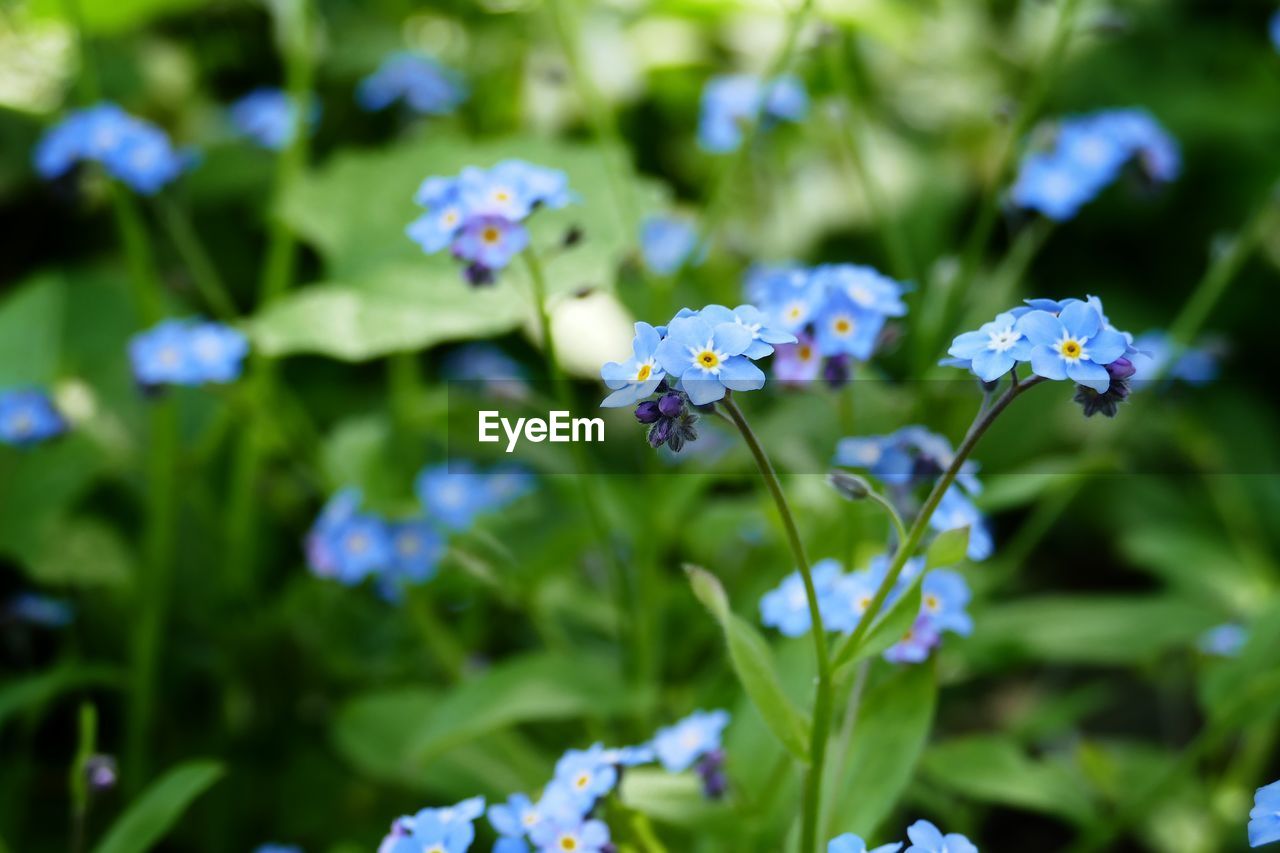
{"x":1106,"y":346}
{"x":969,"y":344}
{"x":990,"y":365}
{"x":1087,"y":373}
{"x":732,"y":338}
{"x":758,"y":349}
{"x":1047,"y":363}
{"x":739,"y":374}
{"x":1040,"y":327}
{"x":701,"y":390}
{"x":1080,"y":319}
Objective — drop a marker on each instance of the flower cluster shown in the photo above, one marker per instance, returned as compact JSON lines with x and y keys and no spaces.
{"x":924,"y":837}
{"x":695,"y":359}
{"x":563,"y":816}
{"x":837,"y":312}
{"x":734,"y":102}
{"x":1264,"y":817}
{"x":1060,"y":339}
{"x":270,"y":117}
{"x":187,"y":352}
{"x":843,"y":599}
{"x":348,"y":544}
{"x":424,"y":85}
{"x":1088,"y":154}
{"x":479,"y":214}
{"x":911,"y":458}
{"x":132,"y":150}
{"x":27,"y":417}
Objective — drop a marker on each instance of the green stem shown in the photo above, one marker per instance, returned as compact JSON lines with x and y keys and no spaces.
{"x":989,"y":206}
{"x":80,"y":799}
{"x":538,"y":286}
{"x":822,"y":706}
{"x":846,"y":733}
{"x":887,"y":226}
{"x":908,"y":545}
{"x":191,"y":249}
{"x":446,"y":652}
{"x":277,"y":274}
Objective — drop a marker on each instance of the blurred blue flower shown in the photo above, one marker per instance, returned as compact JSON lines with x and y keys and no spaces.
{"x":1159,"y":358}
{"x":270,"y":117}
{"x":943,"y":599}
{"x":187,"y":352}
{"x":629,"y":756}
{"x":955,"y":511}
{"x":927,"y":838}
{"x":1273,"y":29}
{"x":1088,"y":154}
{"x":42,"y":610}
{"x":490,"y":241}
{"x":277,"y":848}
{"x":708,"y":358}
{"x":346,"y":545}
{"x":132,"y":150}
{"x":423,"y":84}
{"x":731,"y":103}
{"x":666,"y":242}
{"x":1224,"y":640}
{"x":580,"y":836}
{"x":506,"y":484}
{"x":916,"y":645}
{"x":798,"y":363}
{"x":1072,"y":345}
{"x":678,"y":746}
{"x":508,"y":844}
{"x":789,"y":294}
{"x":786,"y":607}
{"x":465,"y":811}
{"x":586,"y":776}
{"x":453,"y":494}
{"x":416,"y":551}
{"x":842,"y":327}
{"x":638,"y":378}
{"x":426,"y":831}
{"x":515,"y":818}
{"x":850,"y":843}
{"x":1264,"y":817}
{"x":993,"y":350}
{"x":28,"y":417}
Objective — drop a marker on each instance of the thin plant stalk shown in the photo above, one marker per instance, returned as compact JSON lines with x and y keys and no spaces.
{"x":985,"y":417}
{"x":204,"y":273}
{"x":811,"y":805}
{"x":277,"y":275}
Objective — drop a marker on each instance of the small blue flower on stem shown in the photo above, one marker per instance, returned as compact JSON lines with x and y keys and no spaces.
{"x":634,"y":380}
{"x":585,"y":776}
{"x":666,"y":243}
{"x":850,"y":843}
{"x":270,"y":117}
{"x":453,"y":494}
{"x":28,"y":417}
{"x":678,"y":746}
{"x":1052,"y":185}
{"x":347,"y":545}
{"x":1073,"y":345}
{"x":132,"y":150}
{"x":943,"y":599}
{"x":428,"y":832}
{"x":798,"y":363}
{"x":187,"y":352}
{"x":579,"y":836}
{"x":955,"y":511}
{"x":786,"y":607}
{"x":515,"y":818}
{"x":751,"y":318}
{"x":708,"y":358}
{"x":417,"y":549}
{"x":424,"y":85}
{"x":927,"y":838}
{"x":843,"y":327}
{"x":731,"y":103}
{"x":993,"y":350}
{"x":1264,"y":817}
{"x":789,"y":294}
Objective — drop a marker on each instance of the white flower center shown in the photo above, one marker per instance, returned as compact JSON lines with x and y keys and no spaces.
{"x":1002,"y":340}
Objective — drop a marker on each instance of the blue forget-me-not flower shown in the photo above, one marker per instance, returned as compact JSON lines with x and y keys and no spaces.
{"x":270,"y":117}
{"x":927,"y":838}
{"x":733,"y":102}
{"x":130,"y":149}
{"x":420,"y":82}
{"x":27,"y":417}
{"x":1264,"y":817}
{"x":187,"y":352}
{"x":850,"y":843}
{"x":678,"y":746}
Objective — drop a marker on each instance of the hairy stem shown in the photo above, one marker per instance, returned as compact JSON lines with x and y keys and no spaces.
{"x":822,"y":706}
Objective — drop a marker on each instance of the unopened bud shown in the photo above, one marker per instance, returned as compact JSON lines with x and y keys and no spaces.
{"x":850,"y":486}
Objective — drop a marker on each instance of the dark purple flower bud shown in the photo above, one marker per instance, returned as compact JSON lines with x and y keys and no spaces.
{"x":711,"y":768}
{"x":1121,"y":368}
{"x":1106,"y":403}
{"x":836,"y":371}
{"x":572,"y":237}
{"x":648,"y":412}
{"x":660,"y":433}
{"x":671,"y":405}
{"x":477,"y":275}
{"x":100,"y":770}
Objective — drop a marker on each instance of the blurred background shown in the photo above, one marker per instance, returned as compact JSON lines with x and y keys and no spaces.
{"x":1081,"y":714}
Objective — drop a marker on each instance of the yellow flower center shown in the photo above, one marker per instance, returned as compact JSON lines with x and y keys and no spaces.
{"x":490,"y":235}
{"x":842,"y":325}
{"x":568,"y":842}
{"x":864,"y":602}
{"x":805,"y":352}
{"x":708,"y":359}
{"x":1070,"y":348}
{"x":931,"y":603}
{"x":645,"y":371}
{"x":582,"y":780}
{"x":501,"y":195}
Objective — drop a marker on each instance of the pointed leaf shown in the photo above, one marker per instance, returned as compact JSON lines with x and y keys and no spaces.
{"x":152,"y":815}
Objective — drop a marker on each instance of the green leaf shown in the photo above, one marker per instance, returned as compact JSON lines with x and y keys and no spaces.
{"x":673,"y":798}
{"x":1103,"y":630}
{"x":383,"y":295}
{"x":31,"y":692}
{"x":1246,"y":687}
{"x":947,"y":548}
{"x":753,"y":663}
{"x":152,"y":815}
{"x":535,"y":687}
{"x":82,"y":552}
{"x":994,"y":769}
{"x":893,"y":725}
{"x":117,"y":16}
{"x":31,"y":324}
